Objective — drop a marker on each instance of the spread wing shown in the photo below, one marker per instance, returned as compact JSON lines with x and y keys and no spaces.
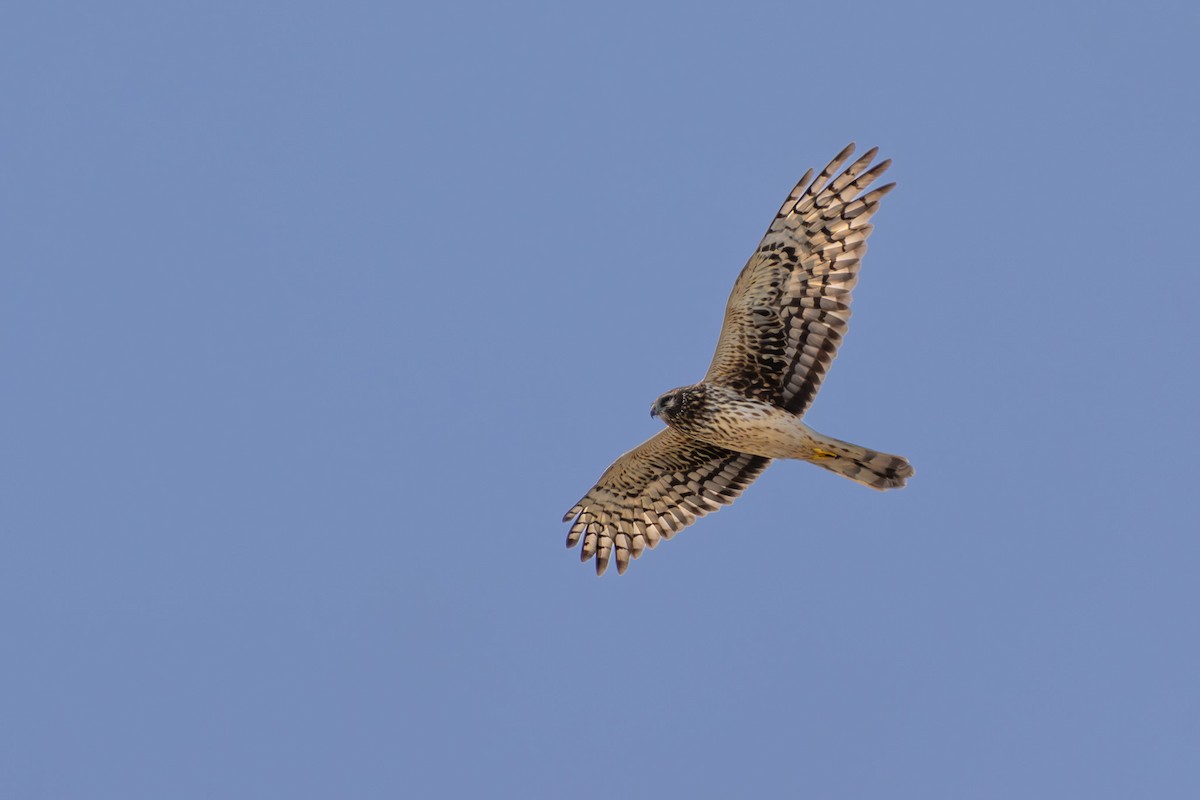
{"x":790,"y":306}
{"x":654,"y":491}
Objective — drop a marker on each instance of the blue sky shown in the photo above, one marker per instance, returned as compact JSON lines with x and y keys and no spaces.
{"x":317,"y":317}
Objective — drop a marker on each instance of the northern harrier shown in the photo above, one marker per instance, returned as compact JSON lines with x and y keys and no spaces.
{"x":785,"y":318}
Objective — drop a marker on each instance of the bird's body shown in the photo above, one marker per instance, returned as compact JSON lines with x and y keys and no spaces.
{"x":724,"y":417}
{"x":784,"y":321}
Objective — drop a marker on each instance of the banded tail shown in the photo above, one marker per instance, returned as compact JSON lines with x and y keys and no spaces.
{"x":868,"y":467}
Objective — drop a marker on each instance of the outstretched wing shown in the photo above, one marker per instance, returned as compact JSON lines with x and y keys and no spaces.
{"x":654,"y":491}
{"x":790,"y":306}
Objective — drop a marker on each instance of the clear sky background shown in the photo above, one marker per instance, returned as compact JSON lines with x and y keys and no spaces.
{"x":316,"y":317}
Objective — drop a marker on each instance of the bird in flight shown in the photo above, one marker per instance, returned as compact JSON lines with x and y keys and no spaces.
{"x":785,"y":318}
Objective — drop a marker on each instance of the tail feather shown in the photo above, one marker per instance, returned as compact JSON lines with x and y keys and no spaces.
{"x":868,"y":467}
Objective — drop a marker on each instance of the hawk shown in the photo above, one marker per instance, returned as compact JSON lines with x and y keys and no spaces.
{"x":785,"y":318}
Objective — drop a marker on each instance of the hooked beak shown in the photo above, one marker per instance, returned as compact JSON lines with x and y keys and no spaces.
{"x":654,"y":410}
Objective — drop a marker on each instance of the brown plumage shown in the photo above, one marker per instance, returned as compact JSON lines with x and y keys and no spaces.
{"x":786,"y":317}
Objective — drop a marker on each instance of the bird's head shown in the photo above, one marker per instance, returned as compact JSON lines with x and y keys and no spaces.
{"x":670,"y":404}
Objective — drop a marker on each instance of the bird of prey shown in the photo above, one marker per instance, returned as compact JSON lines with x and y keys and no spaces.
{"x":784,"y":320}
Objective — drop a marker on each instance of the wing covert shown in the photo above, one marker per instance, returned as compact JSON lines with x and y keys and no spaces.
{"x":790,"y":306}
{"x":654,"y":491}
